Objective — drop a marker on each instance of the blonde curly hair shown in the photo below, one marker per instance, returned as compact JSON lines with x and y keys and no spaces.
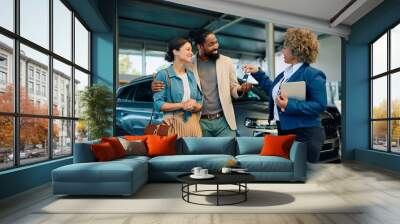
{"x":303,"y":44}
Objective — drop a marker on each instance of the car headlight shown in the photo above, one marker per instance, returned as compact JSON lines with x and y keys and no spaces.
{"x":259,"y":123}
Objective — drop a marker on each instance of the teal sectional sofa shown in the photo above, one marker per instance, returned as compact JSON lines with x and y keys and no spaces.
{"x":125,"y":176}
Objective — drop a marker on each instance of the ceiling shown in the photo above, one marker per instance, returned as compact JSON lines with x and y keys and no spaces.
{"x":156,"y":22}
{"x":319,"y":9}
{"x":326,"y":16}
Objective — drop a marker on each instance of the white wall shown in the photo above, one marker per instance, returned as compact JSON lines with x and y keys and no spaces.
{"x":330,"y":62}
{"x":330,"y":58}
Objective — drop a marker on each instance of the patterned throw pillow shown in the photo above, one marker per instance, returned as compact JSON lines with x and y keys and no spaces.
{"x":135,"y":147}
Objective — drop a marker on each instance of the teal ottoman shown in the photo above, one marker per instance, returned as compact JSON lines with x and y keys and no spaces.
{"x":118,"y":177}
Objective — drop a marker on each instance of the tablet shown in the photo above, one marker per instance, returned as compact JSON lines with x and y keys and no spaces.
{"x":295,"y":90}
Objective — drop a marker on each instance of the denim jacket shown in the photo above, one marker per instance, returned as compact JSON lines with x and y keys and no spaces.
{"x":174,"y":93}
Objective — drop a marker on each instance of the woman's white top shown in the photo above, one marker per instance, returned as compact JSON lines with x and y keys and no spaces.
{"x":186,"y":87}
{"x":289,"y":71}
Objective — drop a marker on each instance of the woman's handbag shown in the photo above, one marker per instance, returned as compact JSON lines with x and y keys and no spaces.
{"x":153,"y":129}
{"x":160,"y":129}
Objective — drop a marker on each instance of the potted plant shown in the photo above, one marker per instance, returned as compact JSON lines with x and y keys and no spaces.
{"x":96,"y":102}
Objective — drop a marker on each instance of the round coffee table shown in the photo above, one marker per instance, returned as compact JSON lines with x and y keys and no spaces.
{"x":238,"y":179}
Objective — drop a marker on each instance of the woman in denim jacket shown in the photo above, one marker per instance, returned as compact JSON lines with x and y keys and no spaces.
{"x":181,"y":99}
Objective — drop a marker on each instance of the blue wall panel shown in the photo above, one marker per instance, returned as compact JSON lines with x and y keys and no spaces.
{"x":24,"y":178}
{"x":357,"y":100}
{"x":102,"y":58}
{"x":104,"y":52}
{"x":356,"y":82}
{"x":380,"y":159}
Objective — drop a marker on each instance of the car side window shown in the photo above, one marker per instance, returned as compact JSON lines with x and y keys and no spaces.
{"x":143,"y":92}
{"x":126,"y":94}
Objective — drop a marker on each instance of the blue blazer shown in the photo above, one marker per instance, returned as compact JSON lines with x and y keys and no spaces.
{"x":174,"y":93}
{"x":298,"y":114}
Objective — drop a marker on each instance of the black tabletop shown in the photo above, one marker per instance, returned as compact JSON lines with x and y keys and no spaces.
{"x":220,"y":178}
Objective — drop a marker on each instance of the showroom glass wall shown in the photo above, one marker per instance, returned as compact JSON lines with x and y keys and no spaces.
{"x":44,"y":64}
{"x":137,"y":59}
{"x":385,"y":91}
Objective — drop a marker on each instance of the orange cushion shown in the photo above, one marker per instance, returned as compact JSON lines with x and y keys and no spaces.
{"x":277,"y":145}
{"x":116,"y":145}
{"x":103,"y":152}
{"x":136,"y":137}
{"x":161,"y":145}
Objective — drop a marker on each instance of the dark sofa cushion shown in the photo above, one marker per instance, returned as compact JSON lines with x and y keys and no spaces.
{"x":83,"y":152}
{"x":249,"y":145}
{"x":257,"y":163}
{"x":207,"y":145}
{"x":185,"y":163}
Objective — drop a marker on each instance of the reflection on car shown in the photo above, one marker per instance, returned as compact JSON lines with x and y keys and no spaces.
{"x":135,"y":108}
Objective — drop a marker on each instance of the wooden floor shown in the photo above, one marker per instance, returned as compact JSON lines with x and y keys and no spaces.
{"x":377,"y":188}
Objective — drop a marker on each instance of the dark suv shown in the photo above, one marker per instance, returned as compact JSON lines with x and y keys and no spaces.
{"x":135,"y":108}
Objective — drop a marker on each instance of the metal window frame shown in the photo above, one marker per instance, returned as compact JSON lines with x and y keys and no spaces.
{"x":116,"y":68}
{"x":50,"y":81}
{"x":16,"y":113}
{"x":17,"y":88}
{"x":388,"y":74}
